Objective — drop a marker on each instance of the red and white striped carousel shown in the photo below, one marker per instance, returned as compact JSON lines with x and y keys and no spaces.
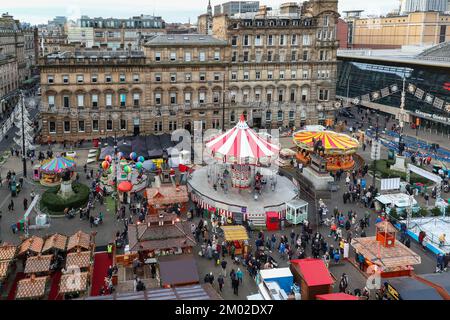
{"x":242,"y":149}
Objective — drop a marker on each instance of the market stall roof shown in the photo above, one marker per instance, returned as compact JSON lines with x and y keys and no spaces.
{"x":154,"y":237}
{"x":68,"y":285}
{"x":297,"y":203}
{"x":193,"y":292}
{"x":167,"y":195}
{"x":56,"y":241}
{"x":313,"y":271}
{"x":7,"y":252}
{"x":275,"y":273}
{"x":33,"y":244}
{"x":58,"y":164}
{"x":332,"y":142}
{"x":4,"y":267}
{"x":178,"y":270}
{"x":33,"y":287}
{"x":389,"y":257}
{"x":399,"y":199}
{"x":241,"y":145}
{"x":38,"y":264}
{"x":79,"y":240}
{"x":336,"y":296}
{"x":235,"y":233}
{"x":81,"y":259}
{"x":412,"y":289}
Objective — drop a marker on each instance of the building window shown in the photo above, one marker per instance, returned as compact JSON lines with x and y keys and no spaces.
{"x":50,"y":79}
{"x":108,"y":100}
{"x":80,"y":101}
{"x":305,"y":55}
{"x":157,"y":56}
{"x":66,"y":126}
{"x":187,"y":77}
{"x":135,"y":77}
{"x":269,"y":75}
{"x":294,"y":40}
{"x":234,"y":40}
{"x":291,"y":115}
{"x":123,"y":99}
{"x":202,"y":56}
{"x":80,"y":78}
{"x":293,"y":74}
{"x":94,"y":78}
{"x":281,"y":75}
{"x":269,"y":96}
{"x":201,"y":97}
{"x":304,"y":94}
{"x":294,"y":56}
{"x":187,"y":98}
{"x":269,"y":56}
{"x":109,"y":125}
{"x":232,"y":117}
{"x":246,"y":40}
{"x":246,"y":75}
{"x":108,"y":78}
{"x":306,"y":40}
{"x":234,"y":56}
{"x":216,"y":76}
{"x":305,"y":74}
{"x":136,"y":99}
{"x":173,"y":77}
{"x":234,"y":75}
{"x":270,"y":40}
{"x":173,"y":56}
{"x":216,"y":96}
{"x":158,"y":99}
{"x":280,"y":95}
{"x":51,"y":101}
{"x":216,"y":123}
{"x":268,"y":116}
{"x":52,"y":126}
{"x":202,"y":77}
{"x":282,"y":40}
{"x":94,"y":125}
{"x":217,"y":55}
{"x":187,"y":56}
{"x":157,"y":77}
{"x":245,"y":56}
{"x":258,"y":56}
{"x":158,"y":126}
{"x":66,"y":102}
{"x":172,"y":125}
{"x":94,"y":99}
{"x":258,"y":75}
{"x":122,"y":77}
{"x":323,"y":94}
{"x":280,"y":115}
{"x":65,"y":79}
{"x":81,"y":126}
{"x":292,"y":95}
{"x":173,"y":98}
{"x":258,"y":41}
{"x":123,"y":124}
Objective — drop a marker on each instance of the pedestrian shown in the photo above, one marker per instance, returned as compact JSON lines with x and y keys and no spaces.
{"x":343,"y":284}
{"x":235,"y":285}
{"x":224,"y":268}
{"x":11,"y":205}
{"x":91,"y":221}
{"x":153,"y":270}
{"x":441,"y":240}
{"x":25,"y":204}
{"x":292,"y":237}
{"x":239,"y":275}
{"x":220,"y":281}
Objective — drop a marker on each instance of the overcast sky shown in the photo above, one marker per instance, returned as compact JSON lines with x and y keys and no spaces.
{"x":40,"y":11}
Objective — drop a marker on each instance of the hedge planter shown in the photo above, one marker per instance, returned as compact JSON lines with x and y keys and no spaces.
{"x":52,"y":202}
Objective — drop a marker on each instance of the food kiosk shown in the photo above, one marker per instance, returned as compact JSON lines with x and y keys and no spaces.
{"x":272,"y":221}
{"x":238,"y":236}
{"x":296,"y":211}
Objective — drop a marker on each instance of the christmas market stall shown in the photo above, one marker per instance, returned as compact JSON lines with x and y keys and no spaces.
{"x":313,"y":277}
{"x":39,"y":264}
{"x":70,"y":288}
{"x":7,"y":262}
{"x":81,"y":260}
{"x":178,"y":271}
{"x":32,"y":288}
{"x":31,"y":246}
{"x":336,"y":149}
{"x":167,"y":199}
{"x":80,"y":241}
{"x":52,"y":170}
{"x":237,"y":236}
{"x":55,"y":243}
{"x":392,"y":257}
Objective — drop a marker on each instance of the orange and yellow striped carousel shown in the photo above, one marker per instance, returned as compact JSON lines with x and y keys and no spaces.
{"x":336,"y":148}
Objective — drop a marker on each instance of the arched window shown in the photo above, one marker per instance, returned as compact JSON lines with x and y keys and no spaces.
{"x":232,"y":116}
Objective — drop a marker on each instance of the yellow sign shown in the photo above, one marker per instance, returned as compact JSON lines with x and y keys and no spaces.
{"x":392,"y":292}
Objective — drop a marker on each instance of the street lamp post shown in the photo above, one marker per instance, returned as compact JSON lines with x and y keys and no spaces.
{"x":24,"y":159}
{"x":375,"y":152}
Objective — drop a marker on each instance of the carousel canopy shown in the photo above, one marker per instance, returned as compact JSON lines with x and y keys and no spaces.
{"x":332,"y":142}
{"x":58,"y":164}
{"x":241,"y":145}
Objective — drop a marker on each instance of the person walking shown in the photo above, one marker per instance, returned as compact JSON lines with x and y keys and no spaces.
{"x":224,"y":268}
{"x":235,"y":285}
{"x":11,"y":206}
{"x":442,"y":240}
{"x":25,"y":204}
{"x":292,"y":235}
{"x":343,"y":284}
{"x":220,"y":281}
{"x":239,"y":275}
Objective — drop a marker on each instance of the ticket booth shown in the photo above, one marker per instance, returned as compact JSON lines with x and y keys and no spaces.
{"x":272,"y":221}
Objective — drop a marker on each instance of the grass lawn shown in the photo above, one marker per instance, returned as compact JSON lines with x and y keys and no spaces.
{"x":109,"y":204}
{"x":384,"y":172}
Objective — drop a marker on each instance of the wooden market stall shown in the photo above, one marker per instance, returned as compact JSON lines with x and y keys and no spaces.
{"x":393,"y":257}
{"x":7,"y":261}
{"x":31,"y":246}
{"x":313,"y":277}
{"x":7,"y":252}
{"x":31,"y":288}
{"x":178,"y":271}
{"x":238,"y":236}
{"x":79,"y":241}
{"x":39,"y":264}
{"x":166,"y":197}
{"x":79,"y":259}
{"x":68,"y":287}
{"x":54,"y":243}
